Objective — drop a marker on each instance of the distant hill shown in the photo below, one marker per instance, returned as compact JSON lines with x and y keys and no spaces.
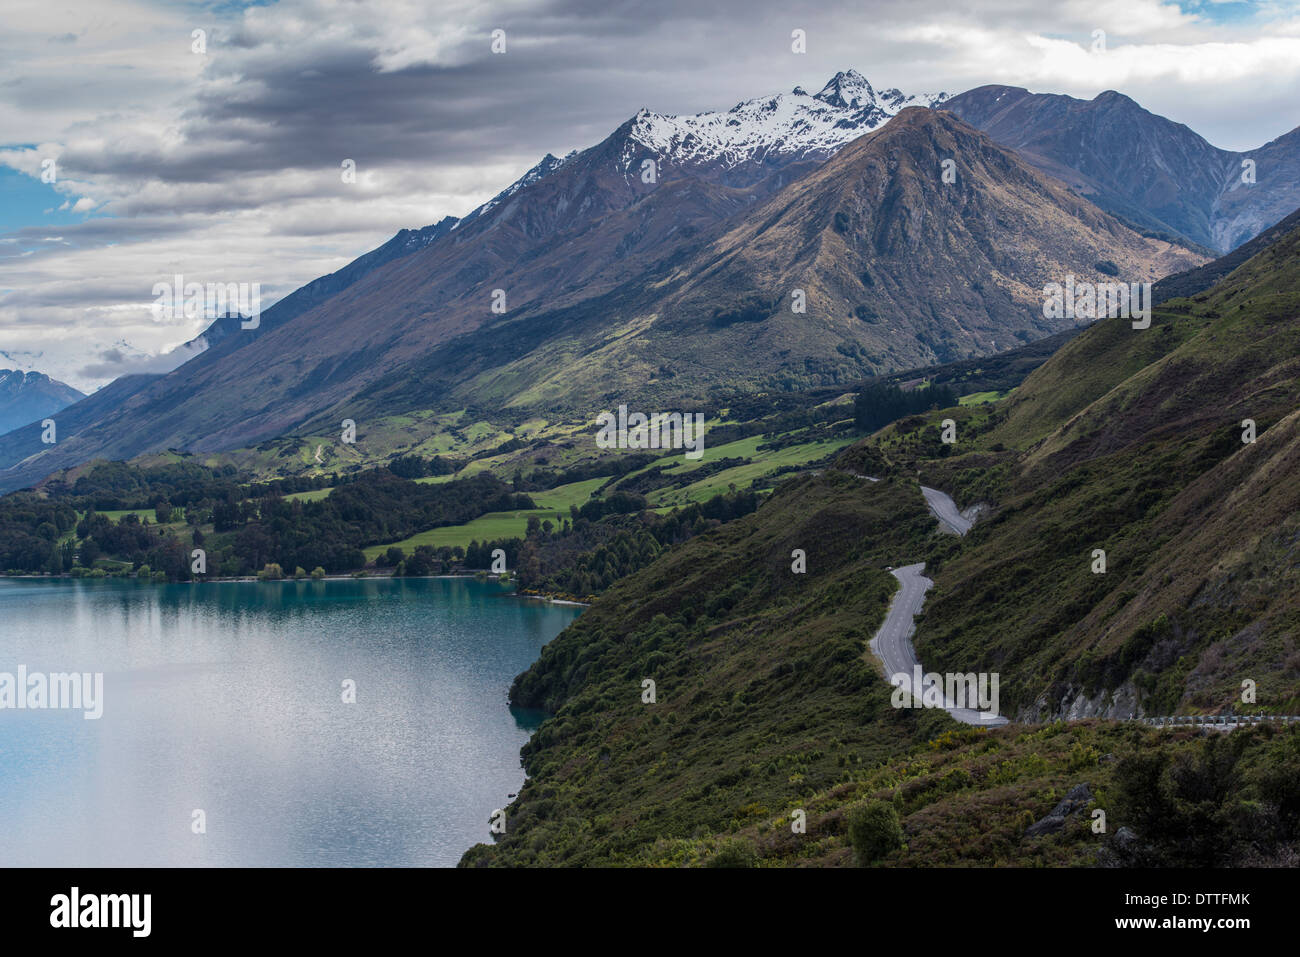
{"x":27,"y":397}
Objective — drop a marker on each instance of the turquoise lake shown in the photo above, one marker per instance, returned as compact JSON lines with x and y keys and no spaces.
{"x":227,"y":698}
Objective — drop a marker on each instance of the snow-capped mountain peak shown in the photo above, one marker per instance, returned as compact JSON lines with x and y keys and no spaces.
{"x":746,"y":141}
{"x":847,"y":89}
{"x":786,"y":126}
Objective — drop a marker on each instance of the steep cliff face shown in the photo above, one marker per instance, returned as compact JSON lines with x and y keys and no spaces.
{"x":1075,"y":703}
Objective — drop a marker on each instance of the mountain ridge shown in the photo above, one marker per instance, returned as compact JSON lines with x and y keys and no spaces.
{"x":1139,"y":165}
{"x":590,"y":257}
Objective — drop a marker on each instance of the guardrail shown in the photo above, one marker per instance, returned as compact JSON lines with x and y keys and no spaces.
{"x":1217,"y":720}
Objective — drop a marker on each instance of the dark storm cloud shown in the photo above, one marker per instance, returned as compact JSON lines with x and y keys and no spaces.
{"x":571,"y":73}
{"x":92,"y":232}
{"x":278,"y":102}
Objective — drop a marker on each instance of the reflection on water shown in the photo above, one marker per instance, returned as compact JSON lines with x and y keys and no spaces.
{"x":227,"y":698}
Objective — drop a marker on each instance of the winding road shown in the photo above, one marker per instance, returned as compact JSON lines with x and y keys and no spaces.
{"x":945,"y":510}
{"x":892,"y":644}
{"x":893,"y":641}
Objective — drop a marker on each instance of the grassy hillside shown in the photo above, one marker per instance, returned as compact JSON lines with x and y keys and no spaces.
{"x":1130,"y":441}
{"x":763,"y":691}
{"x":768,"y":710}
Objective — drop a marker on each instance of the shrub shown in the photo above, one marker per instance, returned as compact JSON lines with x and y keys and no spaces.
{"x":734,"y":852}
{"x":874,"y":831}
{"x":318,"y":573}
{"x":1083,"y":757}
{"x":751,"y":307}
{"x":272,"y":570}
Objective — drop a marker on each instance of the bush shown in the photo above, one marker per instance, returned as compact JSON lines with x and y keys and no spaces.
{"x":318,"y":573}
{"x":299,"y":572}
{"x":1082,"y":757}
{"x":734,"y":852}
{"x":271,"y":571}
{"x":144,"y":571}
{"x":874,"y":831}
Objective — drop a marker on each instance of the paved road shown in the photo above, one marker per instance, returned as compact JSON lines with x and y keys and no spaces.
{"x":945,"y":510}
{"x":893,"y":642}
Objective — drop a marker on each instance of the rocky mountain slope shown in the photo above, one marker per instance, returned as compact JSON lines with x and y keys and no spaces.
{"x":1140,"y":166}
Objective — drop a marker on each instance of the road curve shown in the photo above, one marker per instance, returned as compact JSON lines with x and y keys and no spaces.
{"x":945,"y":510}
{"x":893,"y":641}
{"x":892,"y":644}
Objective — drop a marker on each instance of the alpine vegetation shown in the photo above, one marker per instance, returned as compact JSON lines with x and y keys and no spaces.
{"x":661,"y":430}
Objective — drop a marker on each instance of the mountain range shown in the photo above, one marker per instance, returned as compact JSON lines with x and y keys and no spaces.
{"x":663,"y":264}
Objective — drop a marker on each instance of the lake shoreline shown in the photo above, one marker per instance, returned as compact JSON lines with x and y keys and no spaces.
{"x":252,"y":579}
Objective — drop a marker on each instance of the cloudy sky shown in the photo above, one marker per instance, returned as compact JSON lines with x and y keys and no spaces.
{"x":219,"y":157}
